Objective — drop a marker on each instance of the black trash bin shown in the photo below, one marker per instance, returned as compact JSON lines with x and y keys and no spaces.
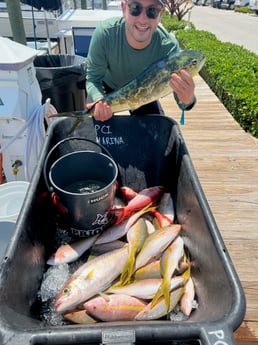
{"x":62,"y":79}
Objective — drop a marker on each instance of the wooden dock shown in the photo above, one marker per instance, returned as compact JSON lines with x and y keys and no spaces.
{"x":226,"y":161}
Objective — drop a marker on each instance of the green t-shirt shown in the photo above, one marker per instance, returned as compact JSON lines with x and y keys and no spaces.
{"x":113,"y":61}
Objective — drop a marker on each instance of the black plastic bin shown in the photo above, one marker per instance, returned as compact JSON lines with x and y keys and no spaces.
{"x":149,"y":150}
{"x":62,"y":79}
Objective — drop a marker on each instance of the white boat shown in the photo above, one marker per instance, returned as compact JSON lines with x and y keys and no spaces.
{"x":35,"y":22}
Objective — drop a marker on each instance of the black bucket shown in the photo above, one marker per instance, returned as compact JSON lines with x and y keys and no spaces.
{"x":84,"y":183}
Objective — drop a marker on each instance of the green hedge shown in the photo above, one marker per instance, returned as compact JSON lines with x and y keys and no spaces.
{"x":173,"y":24}
{"x":231,"y":71}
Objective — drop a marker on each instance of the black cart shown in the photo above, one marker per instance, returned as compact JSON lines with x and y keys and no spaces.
{"x":149,"y":151}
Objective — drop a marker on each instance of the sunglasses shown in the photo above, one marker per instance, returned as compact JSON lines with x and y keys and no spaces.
{"x":136,"y":9}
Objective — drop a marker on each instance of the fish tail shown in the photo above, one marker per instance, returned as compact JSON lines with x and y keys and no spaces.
{"x":117,"y":214}
{"x":127,"y":272}
{"x":76,"y":114}
{"x":77,"y":122}
{"x":164,"y":290}
{"x":156,"y":297}
{"x":187,"y":273}
{"x":166,"y":293}
{"x":162,"y":219}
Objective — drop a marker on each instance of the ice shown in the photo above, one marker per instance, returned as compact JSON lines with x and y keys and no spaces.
{"x":53,"y":280}
{"x":177,"y":316}
{"x":50,"y":316}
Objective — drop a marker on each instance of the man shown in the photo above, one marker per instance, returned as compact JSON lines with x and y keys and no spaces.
{"x":121,"y":48}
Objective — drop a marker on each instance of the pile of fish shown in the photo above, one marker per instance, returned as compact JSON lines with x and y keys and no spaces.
{"x":138,"y":269}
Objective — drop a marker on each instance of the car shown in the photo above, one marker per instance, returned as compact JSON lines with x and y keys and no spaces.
{"x":241,"y":3}
{"x":229,"y":4}
{"x":202,"y":2}
{"x":253,"y":5}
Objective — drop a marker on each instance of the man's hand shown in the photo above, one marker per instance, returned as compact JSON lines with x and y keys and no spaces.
{"x":183,"y":85}
{"x":102,"y":111}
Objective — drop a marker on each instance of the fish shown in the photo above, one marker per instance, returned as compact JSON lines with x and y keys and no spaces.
{"x":165,"y":212}
{"x":150,"y":226}
{"x":186,"y":302}
{"x":163,"y":219}
{"x":136,"y":236}
{"x":99,"y":249}
{"x":145,"y":288}
{"x":91,"y":278}
{"x":148,"y":271}
{"x":79,"y":316}
{"x":113,"y":233}
{"x":116,"y":231}
{"x":118,"y":202}
{"x":150,"y":85}
{"x":156,"y":243}
{"x":168,"y":264}
{"x":166,"y":206}
{"x":67,"y":253}
{"x":160,"y":309}
{"x":127,"y":193}
{"x":160,"y":220}
{"x":115,"y":307}
{"x":146,"y":197}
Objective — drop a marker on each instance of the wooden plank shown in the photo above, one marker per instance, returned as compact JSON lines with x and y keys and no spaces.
{"x":226,"y":161}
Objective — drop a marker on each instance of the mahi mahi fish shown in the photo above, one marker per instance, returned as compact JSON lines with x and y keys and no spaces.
{"x":150,"y":85}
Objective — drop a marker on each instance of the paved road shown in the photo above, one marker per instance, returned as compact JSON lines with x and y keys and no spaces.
{"x":227,"y":25}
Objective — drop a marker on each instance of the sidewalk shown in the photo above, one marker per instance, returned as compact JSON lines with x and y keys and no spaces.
{"x":226,"y":161}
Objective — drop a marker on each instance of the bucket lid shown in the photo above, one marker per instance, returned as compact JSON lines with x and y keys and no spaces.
{"x":12,"y":195}
{"x":6,"y":232}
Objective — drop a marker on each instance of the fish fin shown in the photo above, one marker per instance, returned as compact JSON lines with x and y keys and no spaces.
{"x":187,"y":273}
{"x":164,"y":290}
{"x":113,"y":287}
{"x":104,"y":296}
{"x":156,"y":223}
{"x":161,"y":218}
{"x":77,"y":122}
{"x":137,"y":215}
{"x":166,"y":293}
{"x":117,"y":214}
{"x":90,"y":274}
{"x":157,"y":296}
{"x":127,"y":272}
{"x":79,"y":114}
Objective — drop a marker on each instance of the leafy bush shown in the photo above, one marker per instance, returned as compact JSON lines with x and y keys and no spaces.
{"x":172,"y":23}
{"x":231,"y":71}
{"x":243,"y":9}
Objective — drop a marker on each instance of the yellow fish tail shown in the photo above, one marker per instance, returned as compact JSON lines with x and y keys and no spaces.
{"x":164,"y":290}
{"x":127,"y":272}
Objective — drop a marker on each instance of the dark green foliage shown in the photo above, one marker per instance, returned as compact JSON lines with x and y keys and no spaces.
{"x":231,"y":71}
{"x":243,"y":9}
{"x":172,"y":23}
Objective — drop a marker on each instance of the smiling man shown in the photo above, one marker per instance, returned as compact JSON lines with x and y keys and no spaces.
{"x":122,"y":47}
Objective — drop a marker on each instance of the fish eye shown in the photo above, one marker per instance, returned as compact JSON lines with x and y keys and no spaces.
{"x":66,"y":291}
{"x":194,"y":62}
